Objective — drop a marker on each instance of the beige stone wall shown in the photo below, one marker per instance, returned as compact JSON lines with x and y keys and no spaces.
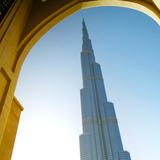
{"x":21,"y":28}
{"x":11,"y":29}
{"x":10,"y":130}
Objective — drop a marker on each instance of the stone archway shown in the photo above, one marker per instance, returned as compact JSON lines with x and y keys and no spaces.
{"x":22,"y":26}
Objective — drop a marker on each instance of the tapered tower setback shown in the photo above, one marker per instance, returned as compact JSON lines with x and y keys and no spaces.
{"x":101,"y":137}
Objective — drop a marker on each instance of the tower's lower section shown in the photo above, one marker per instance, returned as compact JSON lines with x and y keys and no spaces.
{"x":124,"y":155}
{"x":87,"y":151}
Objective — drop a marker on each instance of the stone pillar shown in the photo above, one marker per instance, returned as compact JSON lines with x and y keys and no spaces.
{"x":10,"y":130}
{"x":11,"y":30}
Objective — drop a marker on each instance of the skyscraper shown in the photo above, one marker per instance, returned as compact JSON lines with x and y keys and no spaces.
{"x":101,"y":138}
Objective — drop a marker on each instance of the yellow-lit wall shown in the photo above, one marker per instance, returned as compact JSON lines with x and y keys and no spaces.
{"x":10,"y":130}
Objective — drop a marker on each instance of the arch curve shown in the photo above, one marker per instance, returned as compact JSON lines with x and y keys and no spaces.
{"x":47,"y":23}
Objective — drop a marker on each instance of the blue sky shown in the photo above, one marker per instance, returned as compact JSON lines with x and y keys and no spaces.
{"x":126,"y":44}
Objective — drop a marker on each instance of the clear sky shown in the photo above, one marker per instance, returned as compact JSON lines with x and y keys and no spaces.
{"x":126,"y":44}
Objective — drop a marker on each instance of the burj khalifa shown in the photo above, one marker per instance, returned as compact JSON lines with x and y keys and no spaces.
{"x":101,"y":138}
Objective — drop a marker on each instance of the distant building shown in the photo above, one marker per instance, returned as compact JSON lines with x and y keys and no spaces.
{"x":101,"y":138}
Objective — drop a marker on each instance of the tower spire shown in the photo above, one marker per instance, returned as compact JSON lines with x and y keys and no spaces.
{"x":85,"y":32}
{"x":87,"y":45}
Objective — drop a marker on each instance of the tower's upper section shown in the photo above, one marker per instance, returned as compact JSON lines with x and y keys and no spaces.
{"x":85,"y":32}
{"x":87,"y":45}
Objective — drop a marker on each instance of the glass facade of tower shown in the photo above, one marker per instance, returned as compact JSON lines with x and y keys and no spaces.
{"x":101,"y":137}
